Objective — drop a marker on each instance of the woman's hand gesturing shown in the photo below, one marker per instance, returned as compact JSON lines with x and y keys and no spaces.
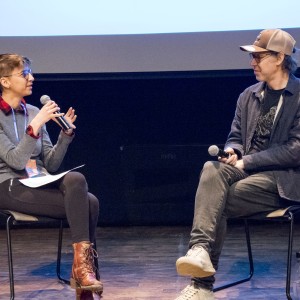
{"x":47,"y":112}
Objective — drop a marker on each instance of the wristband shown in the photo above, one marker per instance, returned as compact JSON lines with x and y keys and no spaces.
{"x":29,"y":131}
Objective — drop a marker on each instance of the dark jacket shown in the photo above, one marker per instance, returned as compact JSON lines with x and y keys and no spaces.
{"x":283,"y":153}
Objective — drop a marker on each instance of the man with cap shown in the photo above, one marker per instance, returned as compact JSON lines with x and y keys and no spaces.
{"x":262,"y":170}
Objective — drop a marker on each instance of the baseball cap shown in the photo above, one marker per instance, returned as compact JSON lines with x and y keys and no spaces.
{"x":272,"y":40}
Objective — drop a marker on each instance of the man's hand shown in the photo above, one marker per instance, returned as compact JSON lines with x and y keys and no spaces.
{"x":240,"y":164}
{"x":231,"y":160}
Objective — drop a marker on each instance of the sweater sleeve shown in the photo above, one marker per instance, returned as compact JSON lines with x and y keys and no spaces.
{"x":53,"y":156}
{"x":16,"y":156}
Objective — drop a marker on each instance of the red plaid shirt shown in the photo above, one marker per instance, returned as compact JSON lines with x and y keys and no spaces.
{"x":6,"y":108}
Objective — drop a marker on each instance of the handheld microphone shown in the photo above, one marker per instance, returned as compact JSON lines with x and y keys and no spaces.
{"x":61,"y":120}
{"x":216,"y":151}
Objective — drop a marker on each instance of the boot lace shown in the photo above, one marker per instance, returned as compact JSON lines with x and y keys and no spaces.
{"x":90,"y":255}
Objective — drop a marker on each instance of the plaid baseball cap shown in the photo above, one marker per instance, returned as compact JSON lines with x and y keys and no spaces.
{"x":272,"y":40}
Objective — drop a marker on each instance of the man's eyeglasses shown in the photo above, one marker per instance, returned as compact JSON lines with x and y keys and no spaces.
{"x":24,"y":73}
{"x":258,"y":57}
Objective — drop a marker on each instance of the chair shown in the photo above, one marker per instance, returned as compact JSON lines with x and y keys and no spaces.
{"x":287,"y":215}
{"x":15,"y":218}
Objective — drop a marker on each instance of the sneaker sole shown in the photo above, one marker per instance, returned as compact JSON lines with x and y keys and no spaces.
{"x":188,"y":269}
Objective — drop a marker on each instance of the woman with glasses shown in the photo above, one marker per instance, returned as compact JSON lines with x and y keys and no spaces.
{"x":260,"y":172}
{"x":25,"y":151}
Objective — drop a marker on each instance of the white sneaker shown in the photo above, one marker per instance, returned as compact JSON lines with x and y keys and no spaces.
{"x":196,"y":263}
{"x":191,"y":292}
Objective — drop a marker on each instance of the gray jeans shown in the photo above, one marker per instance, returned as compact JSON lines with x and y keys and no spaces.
{"x":224,"y":192}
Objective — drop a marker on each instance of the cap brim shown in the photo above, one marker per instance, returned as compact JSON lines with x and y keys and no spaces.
{"x":252,"y":48}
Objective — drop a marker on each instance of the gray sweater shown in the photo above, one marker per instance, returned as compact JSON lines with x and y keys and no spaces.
{"x":15,"y":154}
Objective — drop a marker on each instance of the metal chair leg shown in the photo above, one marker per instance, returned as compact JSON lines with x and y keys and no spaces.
{"x":10,"y":259}
{"x":10,"y":221}
{"x":289,"y":258}
{"x":251,"y":265}
{"x":59,"y":248}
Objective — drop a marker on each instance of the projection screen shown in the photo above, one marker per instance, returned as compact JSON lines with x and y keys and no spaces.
{"x":139,"y":36}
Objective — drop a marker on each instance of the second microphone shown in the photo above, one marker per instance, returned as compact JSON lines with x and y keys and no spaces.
{"x":216,"y":151}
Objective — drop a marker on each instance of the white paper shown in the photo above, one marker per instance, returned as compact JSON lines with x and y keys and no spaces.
{"x":34,"y":182}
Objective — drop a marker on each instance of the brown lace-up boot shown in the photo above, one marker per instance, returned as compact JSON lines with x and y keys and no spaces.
{"x":83,"y":271}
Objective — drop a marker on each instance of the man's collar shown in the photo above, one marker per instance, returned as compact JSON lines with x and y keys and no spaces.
{"x":6,"y":108}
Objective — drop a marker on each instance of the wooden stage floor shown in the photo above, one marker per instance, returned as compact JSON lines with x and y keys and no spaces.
{"x":138,"y":263}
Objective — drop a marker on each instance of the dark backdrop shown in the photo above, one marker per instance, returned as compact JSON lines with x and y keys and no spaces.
{"x":143,"y":137}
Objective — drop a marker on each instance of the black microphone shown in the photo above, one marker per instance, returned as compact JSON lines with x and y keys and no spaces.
{"x":61,"y":120}
{"x":216,"y":151}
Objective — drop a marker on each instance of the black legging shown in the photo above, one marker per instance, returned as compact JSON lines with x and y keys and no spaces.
{"x":66,"y":198}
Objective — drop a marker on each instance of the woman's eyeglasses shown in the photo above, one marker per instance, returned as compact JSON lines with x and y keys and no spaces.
{"x":24,"y":73}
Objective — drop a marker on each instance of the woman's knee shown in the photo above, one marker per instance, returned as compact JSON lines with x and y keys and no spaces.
{"x":75,"y":180}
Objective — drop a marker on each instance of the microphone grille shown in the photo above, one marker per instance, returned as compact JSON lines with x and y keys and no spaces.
{"x":44,"y":99}
{"x":213,"y":150}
